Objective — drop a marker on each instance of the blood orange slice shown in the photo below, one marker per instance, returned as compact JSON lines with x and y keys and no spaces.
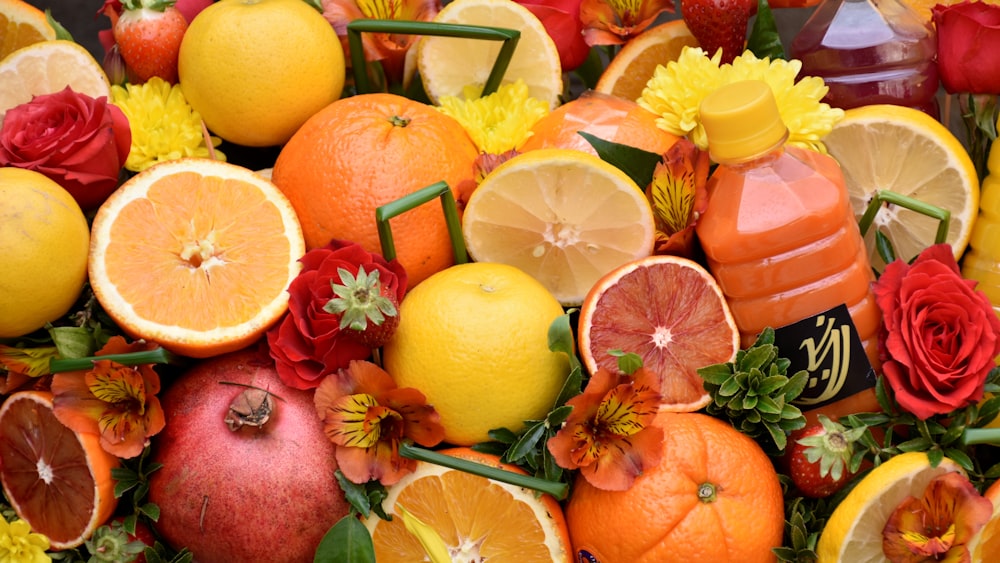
{"x":668,"y":310}
{"x":56,"y":480}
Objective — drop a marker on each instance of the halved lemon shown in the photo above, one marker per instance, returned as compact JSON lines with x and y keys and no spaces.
{"x":854,"y":530}
{"x":904,"y":150}
{"x":47,"y":67}
{"x":448,"y":65}
{"x":564,"y":216}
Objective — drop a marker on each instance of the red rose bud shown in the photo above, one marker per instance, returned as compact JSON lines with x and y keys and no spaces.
{"x":939,"y":335}
{"x":968,"y":47}
{"x":78,"y":141}
{"x":311,"y":341}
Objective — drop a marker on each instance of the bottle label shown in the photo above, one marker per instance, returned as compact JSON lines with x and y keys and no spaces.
{"x":828,"y":348}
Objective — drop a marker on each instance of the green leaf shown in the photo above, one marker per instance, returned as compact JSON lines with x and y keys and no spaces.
{"x":348,"y":541}
{"x":61,"y":32}
{"x":527,"y":442}
{"x":771,"y":383}
{"x":778,"y":436}
{"x":558,"y":415}
{"x":764,"y":40}
{"x":356,"y":495}
{"x":502,"y":435}
{"x":560,"y":337}
{"x":572,"y":387}
{"x":934,"y":456}
{"x":757,"y":357}
{"x":884,"y":247}
{"x":767,"y":405}
{"x":730,"y":387}
{"x":637,"y":164}
{"x":961,"y":458}
{"x":716,"y":374}
{"x":915,"y":445}
{"x":796,"y":385}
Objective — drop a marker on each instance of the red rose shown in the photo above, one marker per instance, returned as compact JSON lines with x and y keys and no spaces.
{"x":561,"y":19}
{"x":939,"y":335}
{"x":308,"y":344}
{"x":968,"y":45}
{"x":79,"y":142}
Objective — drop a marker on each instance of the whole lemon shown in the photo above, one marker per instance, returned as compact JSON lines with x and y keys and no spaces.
{"x":44,"y":240}
{"x":473,"y":338}
{"x":256,"y":70}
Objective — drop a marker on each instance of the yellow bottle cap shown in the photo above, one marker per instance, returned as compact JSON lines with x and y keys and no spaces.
{"x":742,"y":121}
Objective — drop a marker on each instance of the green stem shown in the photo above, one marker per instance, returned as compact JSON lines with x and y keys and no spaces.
{"x":509,"y":37}
{"x":989,"y":436}
{"x":887,"y":196}
{"x":156,"y":356}
{"x":558,"y":490}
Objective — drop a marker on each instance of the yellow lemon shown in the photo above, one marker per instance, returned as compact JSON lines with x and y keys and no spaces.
{"x":256,"y":70}
{"x":44,"y":239}
{"x":473,"y":338}
{"x":854,"y":530}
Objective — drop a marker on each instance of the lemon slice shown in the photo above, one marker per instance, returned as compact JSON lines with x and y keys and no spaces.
{"x":904,"y":150}
{"x":448,"y":65}
{"x":854,"y":531}
{"x":47,"y":67}
{"x":564,"y":216}
{"x":629,"y":71}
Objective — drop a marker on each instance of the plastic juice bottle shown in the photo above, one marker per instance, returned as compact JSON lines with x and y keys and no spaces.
{"x":870,"y":52}
{"x":779,"y":233}
{"x":981,"y":261}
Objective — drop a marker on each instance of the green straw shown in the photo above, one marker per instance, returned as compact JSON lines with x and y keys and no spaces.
{"x":887,"y":196}
{"x":509,"y":37}
{"x":413,"y":200}
{"x":155,"y":356}
{"x":556,"y":489}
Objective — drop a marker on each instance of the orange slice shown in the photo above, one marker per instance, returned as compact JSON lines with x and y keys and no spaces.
{"x":22,"y":24}
{"x":627,"y":74}
{"x":668,"y":310}
{"x":56,"y":480}
{"x":476,"y":519}
{"x":196,"y":255}
{"x":564,"y":216}
{"x":47,"y":67}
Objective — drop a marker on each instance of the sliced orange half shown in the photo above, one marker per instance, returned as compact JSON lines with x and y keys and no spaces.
{"x":196,"y":255}
{"x":627,"y":74}
{"x":475,"y":519}
{"x":672,"y":313}
{"x":22,"y":24}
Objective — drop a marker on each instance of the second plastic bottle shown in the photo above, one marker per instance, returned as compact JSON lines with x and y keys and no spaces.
{"x":779,"y":232}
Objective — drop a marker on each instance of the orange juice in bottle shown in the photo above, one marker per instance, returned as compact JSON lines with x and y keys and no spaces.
{"x":780,"y":237}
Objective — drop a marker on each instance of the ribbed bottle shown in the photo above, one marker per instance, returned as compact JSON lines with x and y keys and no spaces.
{"x":779,"y":233}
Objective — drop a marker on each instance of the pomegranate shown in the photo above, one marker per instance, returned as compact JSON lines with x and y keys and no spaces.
{"x":248,"y":474}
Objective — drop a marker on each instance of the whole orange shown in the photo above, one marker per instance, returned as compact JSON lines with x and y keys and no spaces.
{"x":714,"y":497}
{"x":607,"y":117}
{"x":365,"y":151}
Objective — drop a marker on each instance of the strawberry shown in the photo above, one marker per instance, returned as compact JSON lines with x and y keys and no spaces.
{"x":369,"y":311}
{"x":149,"y":34}
{"x":719,"y":24}
{"x":821,"y":460}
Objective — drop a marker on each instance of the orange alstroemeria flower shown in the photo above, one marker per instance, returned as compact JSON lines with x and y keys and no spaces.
{"x":390,"y":49}
{"x":115,"y":401}
{"x":20,"y":365}
{"x":367,"y":417}
{"x":679,"y":196}
{"x":613,"y":22}
{"x":609,"y":436}
{"x":938,"y":526}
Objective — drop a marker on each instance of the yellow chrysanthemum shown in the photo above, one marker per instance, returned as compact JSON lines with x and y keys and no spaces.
{"x":807,"y":118}
{"x":164,"y":126}
{"x":499,"y":122}
{"x":19,"y":544}
{"x":676,"y":91}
